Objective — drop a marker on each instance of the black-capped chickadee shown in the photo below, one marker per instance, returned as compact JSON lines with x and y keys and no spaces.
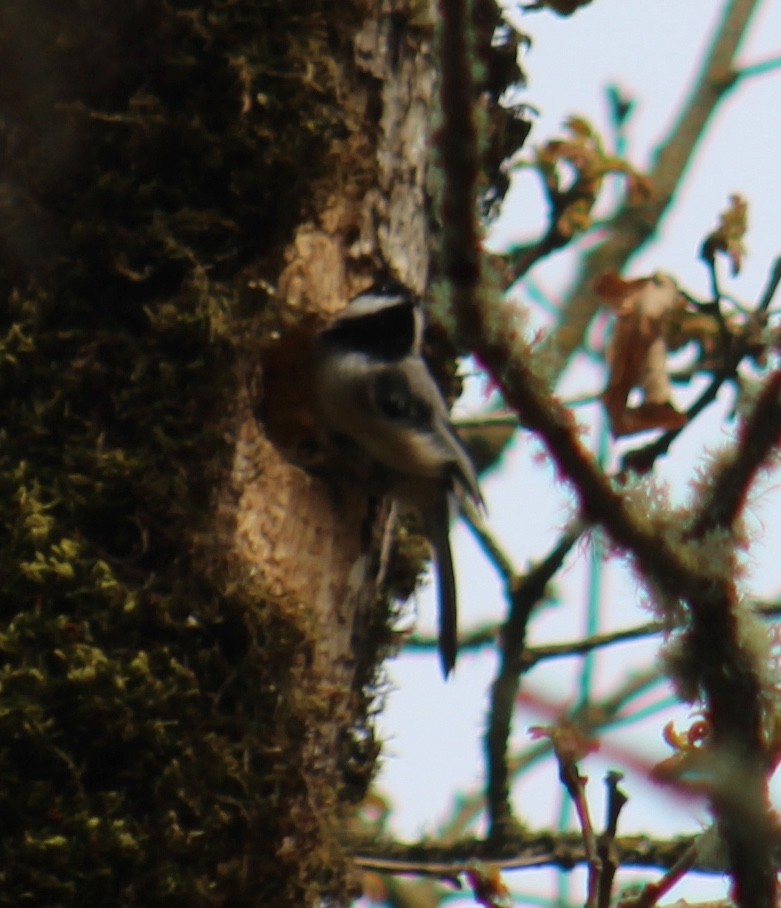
{"x":374,"y":388}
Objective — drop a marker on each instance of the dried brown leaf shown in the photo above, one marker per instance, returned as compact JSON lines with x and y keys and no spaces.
{"x":638,"y":353}
{"x":728,"y":236}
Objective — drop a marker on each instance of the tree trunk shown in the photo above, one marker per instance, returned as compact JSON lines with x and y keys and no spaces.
{"x":188,"y":623}
{"x":180,"y":690}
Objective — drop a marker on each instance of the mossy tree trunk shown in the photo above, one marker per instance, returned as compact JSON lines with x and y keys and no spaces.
{"x":188,"y":628}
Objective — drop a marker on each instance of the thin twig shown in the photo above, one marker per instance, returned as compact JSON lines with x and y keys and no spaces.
{"x":608,"y":853}
{"x":758,"y":69}
{"x":652,"y":892}
{"x":772,"y":285}
{"x":715,"y":305}
{"x":487,"y":635}
{"x":524,"y":595}
{"x":534,"y":654}
{"x":488,"y":542}
{"x":575,"y":783}
{"x":539,"y":849}
{"x":708,"y":255}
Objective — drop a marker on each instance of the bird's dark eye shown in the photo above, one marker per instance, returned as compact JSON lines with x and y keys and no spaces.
{"x":395,"y":400}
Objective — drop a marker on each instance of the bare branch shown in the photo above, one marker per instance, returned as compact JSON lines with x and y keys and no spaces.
{"x":772,"y":286}
{"x":488,"y":543}
{"x":487,"y":635}
{"x":461,"y":258}
{"x":524,"y":595}
{"x":616,"y":800}
{"x":654,"y":891}
{"x":730,"y":486}
{"x":575,"y":783}
{"x":541,"y":849}
{"x":534,"y":654}
{"x":759,"y":69}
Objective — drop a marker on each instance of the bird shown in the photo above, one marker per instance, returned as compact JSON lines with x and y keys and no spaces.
{"x":373,"y":387}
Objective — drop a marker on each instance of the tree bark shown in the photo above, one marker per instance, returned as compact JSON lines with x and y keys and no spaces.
{"x":190,"y":628}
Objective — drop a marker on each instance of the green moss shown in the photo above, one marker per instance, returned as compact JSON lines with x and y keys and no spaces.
{"x":145,"y":705}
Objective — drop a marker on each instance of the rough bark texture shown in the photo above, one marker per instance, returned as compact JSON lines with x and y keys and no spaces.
{"x":184,"y":716}
{"x":189,"y":635}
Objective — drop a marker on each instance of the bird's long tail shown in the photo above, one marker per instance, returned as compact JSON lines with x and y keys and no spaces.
{"x":438,"y":525}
